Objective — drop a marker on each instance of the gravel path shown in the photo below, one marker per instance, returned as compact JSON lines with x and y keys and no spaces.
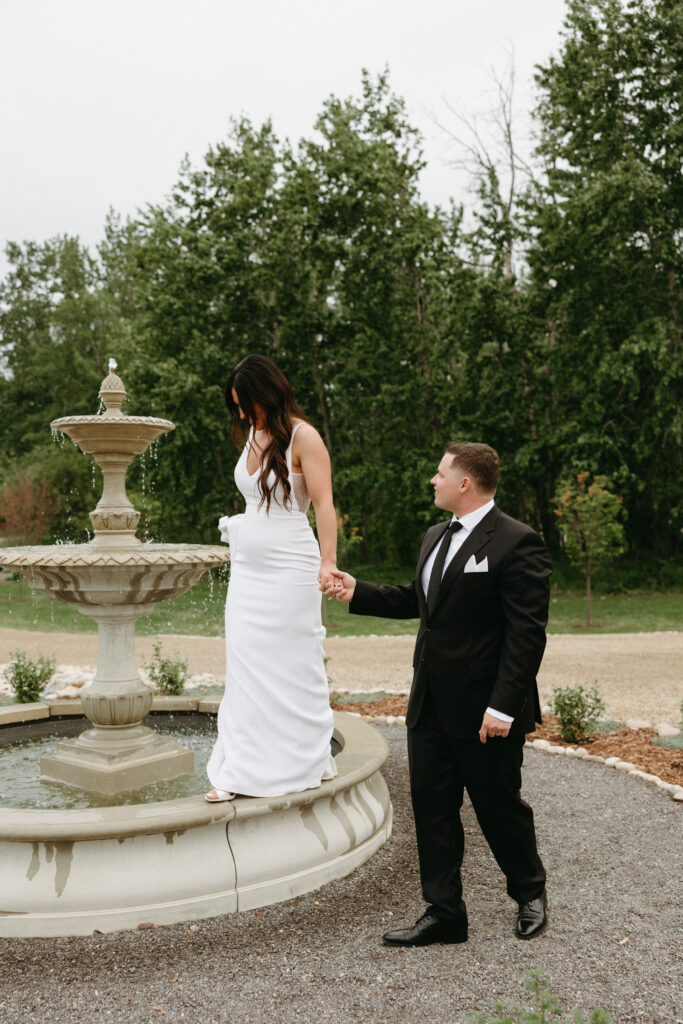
{"x":639,"y":674}
{"x":612,"y":848}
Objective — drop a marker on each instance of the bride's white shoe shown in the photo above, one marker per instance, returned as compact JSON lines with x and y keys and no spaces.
{"x":218,"y":796}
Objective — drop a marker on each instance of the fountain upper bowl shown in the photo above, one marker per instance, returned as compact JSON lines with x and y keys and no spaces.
{"x":109,"y":434}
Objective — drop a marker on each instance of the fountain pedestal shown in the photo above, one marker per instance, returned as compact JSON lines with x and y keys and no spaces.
{"x":119,"y":753}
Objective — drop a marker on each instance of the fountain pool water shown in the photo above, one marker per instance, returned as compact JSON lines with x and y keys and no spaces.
{"x":131,"y":848}
{"x":21,"y":745}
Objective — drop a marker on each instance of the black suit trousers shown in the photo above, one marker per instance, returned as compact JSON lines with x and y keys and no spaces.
{"x":442,"y":767}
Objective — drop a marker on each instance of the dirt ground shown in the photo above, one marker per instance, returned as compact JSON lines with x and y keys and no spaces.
{"x":639,"y":675}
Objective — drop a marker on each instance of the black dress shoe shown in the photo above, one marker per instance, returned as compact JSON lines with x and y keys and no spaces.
{"x":429,"y":928}
{"x":532,"y":917}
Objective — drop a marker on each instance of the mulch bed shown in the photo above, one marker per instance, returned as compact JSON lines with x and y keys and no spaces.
{"x":634,"y":745}
{"x":396,"y":704}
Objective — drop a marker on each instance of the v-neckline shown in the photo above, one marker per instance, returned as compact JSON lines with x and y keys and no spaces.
{"x":246,"y":461}
{"x":260,"y":466}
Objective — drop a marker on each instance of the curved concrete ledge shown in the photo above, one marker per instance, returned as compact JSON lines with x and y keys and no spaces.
{"x":70,"y":872}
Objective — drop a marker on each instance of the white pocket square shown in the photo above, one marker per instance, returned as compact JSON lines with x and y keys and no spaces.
{"x":474,"y":566}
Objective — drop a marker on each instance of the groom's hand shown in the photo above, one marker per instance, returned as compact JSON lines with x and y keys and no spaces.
{"x":492,"y":726}
{"x":341,"y":585}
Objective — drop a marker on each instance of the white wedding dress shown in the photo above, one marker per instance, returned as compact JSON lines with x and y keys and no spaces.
{"x":275,"y":721}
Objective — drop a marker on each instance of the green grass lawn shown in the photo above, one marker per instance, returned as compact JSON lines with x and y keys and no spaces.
{"x":200,"y":612}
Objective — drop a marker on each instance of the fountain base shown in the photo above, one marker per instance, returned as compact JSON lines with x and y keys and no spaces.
{"x":72,"y":872}
{"x":117,"y":759}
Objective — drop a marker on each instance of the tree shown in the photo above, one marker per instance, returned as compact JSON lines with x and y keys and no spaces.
{"x":56,"y":332}
{"x":589,"y":526}
{"x":606,"y":243}
{"x":27,"y":508}
{"x":504,"y":378}
{"x":323,"y":258}
{"x":379,"y":266}
{"x":549,"y":328}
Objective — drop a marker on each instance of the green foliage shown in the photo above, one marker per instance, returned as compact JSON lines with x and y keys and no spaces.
{"x":546,"y":1008}
{"x":672,"y":742}
{"x":28,"y":678}
{"x":589,"y":522}
{"x":589,"y":525}
{"x":669,"y":742}
{"x":578,"y":710}
{"x":168,"y":673}
{"x":201,"y":611}
{"x":550,"y":329}
{"x":606,"y":253}
{"x":609,"y":725}
{"x":360,"y":698}
{"x":349,"y":541}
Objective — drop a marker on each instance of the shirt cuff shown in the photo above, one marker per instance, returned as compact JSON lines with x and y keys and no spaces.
{"x":500,"y":715}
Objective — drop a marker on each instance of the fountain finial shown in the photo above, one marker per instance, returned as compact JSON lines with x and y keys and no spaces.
{"x":112,"y":392}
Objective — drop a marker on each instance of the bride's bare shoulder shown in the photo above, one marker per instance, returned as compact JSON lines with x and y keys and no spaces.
{"x":304,"y":430}
{"x":307,"y":440}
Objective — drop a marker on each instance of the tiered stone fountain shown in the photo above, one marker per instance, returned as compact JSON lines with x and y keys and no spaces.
{"x":114,"y":580}
{"x":68,"y":872}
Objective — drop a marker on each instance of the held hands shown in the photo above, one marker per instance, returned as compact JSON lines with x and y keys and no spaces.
{"x":338,"y":584}
{"x":491,"y":726}
{"x":326,"y":580}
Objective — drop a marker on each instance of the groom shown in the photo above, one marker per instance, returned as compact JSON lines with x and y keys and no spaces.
{"x":481,"y":593}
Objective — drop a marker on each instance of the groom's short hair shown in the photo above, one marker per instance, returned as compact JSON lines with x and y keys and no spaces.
{"x":478,"y":461}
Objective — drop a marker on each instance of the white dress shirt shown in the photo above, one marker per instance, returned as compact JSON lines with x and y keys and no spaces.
{"x":468,"y":523}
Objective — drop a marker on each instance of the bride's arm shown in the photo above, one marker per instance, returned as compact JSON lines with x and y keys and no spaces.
{"x":309,"y":449}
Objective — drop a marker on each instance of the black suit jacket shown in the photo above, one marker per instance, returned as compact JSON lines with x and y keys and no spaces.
{"x":483,"y":643}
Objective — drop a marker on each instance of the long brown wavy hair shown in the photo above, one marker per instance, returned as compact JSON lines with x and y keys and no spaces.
{"x":256,"y":379}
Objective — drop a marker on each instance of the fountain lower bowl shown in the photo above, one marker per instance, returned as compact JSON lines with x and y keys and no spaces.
{"x":111,"y":868}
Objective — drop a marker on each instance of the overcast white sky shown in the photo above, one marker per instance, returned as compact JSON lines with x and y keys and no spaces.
{"x":100,"y":100}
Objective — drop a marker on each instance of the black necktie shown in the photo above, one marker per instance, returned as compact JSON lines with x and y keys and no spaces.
{"x":439,"y":562}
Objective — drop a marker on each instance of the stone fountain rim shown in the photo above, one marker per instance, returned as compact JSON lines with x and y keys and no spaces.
{"x":79,"y":555}
{"x":95,"y":419}
{"x":363,"y":753}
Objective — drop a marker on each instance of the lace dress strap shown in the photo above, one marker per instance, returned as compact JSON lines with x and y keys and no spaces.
{"x":298,"y":482}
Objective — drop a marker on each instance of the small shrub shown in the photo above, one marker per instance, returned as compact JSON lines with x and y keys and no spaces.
{"x":609,"y":725}
{"x":546,"y":1008}
{"x":578,"y":711}
{"x":672,"y":742}
{"x":29,"y":678}
{"x":168,"y":674}
{"x":669,"y":742}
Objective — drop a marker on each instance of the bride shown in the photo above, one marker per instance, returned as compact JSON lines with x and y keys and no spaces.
{"x":275,"y":721}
